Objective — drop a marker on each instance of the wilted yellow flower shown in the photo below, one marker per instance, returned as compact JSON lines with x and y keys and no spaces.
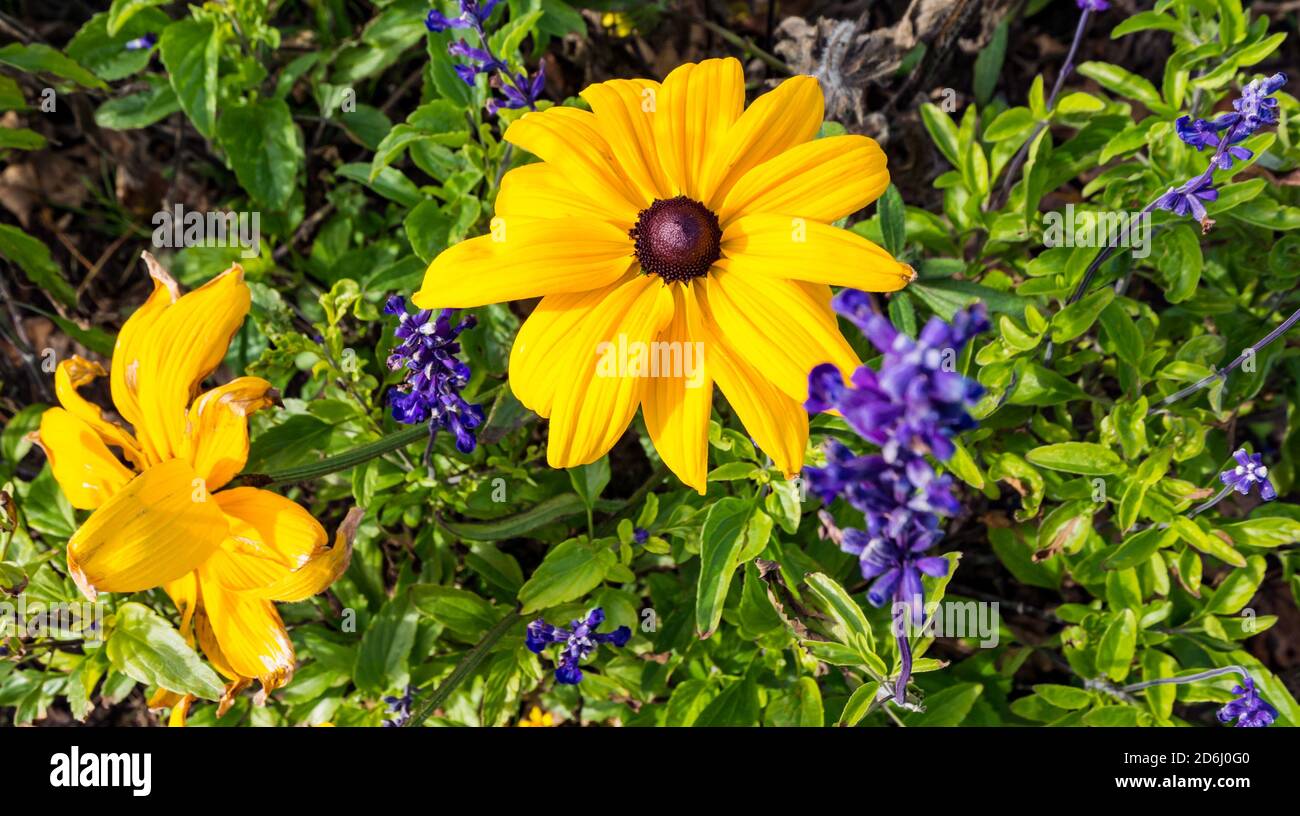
{"x":667,"y":224}
{"x":158,"y":520}
{"x":537,"y":719}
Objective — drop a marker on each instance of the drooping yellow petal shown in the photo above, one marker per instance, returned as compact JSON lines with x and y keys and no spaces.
{"x":545,"y":338}
{"x":695,"y":109}
{"x":778,"y":423}
{"x":152,"y":531}
{"x":777,"y":327}
{"x":131,"y":342}
{"x":525,"y":258}
{"x":217,"y":431}
{"x":780,"y":247}
{"x":569,"y":140}
{"x":252,"y":638}
{"x":71,"y":375}
{"x":599,"y":386}
{"x":625,"y":111}
{"x":822,"y":180}
{"x":540,"y":190}
{"x":82,"y":464}
{"x":679,"y":395}
{"x":270,"y":537}
{"x":184,"y":592}
{"x":183,"y":345}
{"x":779,"y":120}
{"x":321,"y":571}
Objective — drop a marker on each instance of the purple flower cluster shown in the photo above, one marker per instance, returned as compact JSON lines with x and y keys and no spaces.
{"x":1250,"y":471}
{"x":518,"y":89}
{"x":400,"y":708}
{"x":434,"y":376}
{"x":913,"y":406}
{"x":1255,"y":108}
{"x":1249,"y":709}
{"x":579,"y":642}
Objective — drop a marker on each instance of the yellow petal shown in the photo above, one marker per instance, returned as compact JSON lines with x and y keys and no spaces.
{"x":695,"y":109}
{"x":154,"y":530}
{"x":71,"y":375}
{"x":321,"y":571}
{"x":543,"y":339}
{"x":778,"y":423}
{"x":526,"y":257}
{"x":780,"y":119}
{"x":781,"y":247}
{"x":777,"y":327}
{"x":678,"y":401}
{"x":184,"y":592}
{"x":181,"y":347}
{"x":821,"y":180}
{"x":625,"y":111}
{"x":540,"y":190}
{"x":131,"y":341}
{"x":270,"y":537}
{"x":217,"y":430}
{"x":569,"y":140}
{"x":251,"y":637}
{"x":81,"y":463}
{"x":596,"y":396}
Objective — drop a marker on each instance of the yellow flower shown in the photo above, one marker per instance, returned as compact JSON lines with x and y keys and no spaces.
{"x":537,"y":719}
{"x":670,"y":219}
{"x":158,"y":520}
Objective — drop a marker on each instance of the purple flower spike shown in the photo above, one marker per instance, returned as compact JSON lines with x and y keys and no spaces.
{"x":434,"y":376}
{"x":579,"y":641}
{"x":1250,"y":471}
{"x":1249,"y":709}
{"x":1189,"y":198}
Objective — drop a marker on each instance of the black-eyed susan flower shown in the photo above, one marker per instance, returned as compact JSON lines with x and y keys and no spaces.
{"x":666,"y":221}
{"x":157,"y":519}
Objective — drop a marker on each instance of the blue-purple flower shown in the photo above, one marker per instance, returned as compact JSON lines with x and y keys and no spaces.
{"x":912,"y":406}
{"x":579,"y":641}
{"x":519,"y":91}
{"x":400,"y":708}
{"x":640,"y":535}
{"x":1189,"y":198}
{"x":143,"y":43}
{"x":1250,"y":471}
{"x":434,"y":376}
{"x":473,"y":14}
{"x":1093,"y":5}
{"x":1249,"y":709}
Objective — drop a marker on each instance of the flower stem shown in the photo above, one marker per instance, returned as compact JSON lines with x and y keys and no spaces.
{"x":464,"y":669}
{"x":343,"y":461}
{"x":1241,"y":358}
{"x":1066,"y":70}
{"x":1191,"y":678}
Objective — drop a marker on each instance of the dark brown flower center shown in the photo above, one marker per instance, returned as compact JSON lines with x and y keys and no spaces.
{"x":677,"y":239}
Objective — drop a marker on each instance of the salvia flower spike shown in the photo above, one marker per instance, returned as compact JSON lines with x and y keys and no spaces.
{"x":431,"y":391}
{"x":518,"y":89}
{"x":913,"y":406}
{"x":578,"y":642}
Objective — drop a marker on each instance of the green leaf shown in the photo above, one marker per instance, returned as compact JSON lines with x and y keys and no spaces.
{"x":736,"y":705}
{"x":1237,"y":588}
{"x":33,"y":257}
{"x":569,"y":571}
{"x":386,"y":648}
{"x":138,"y":110}
{"x":148,"y":649}
{"x":190,"y":50}
{"x":1117,"y":80}
{"x":460,"y":610}
{"x":1085,"y":458}
{"x":942,"y":131}
{"x":1012,"y":124}
{"x":721,"y":542}
{"x":859,"y":704}
{"x":104,"y":52}
{"x":850,"y":624}
{"x":553,"y":509}
{"x":41,"y":58}
{"x":589,"y":481}
{"x":1079,"y":316}
{"x":988,"y":64}
{"x":1067,"y":697}
{"x":123,"y":10}
{"x":264,"y":147}
{"x":1138,"y":548}
{"x":892,"y":218}
{"x":1277,"y":531}
{"x":20,"y":139}
{"x":1118,"y":644}
{"x":947,"y":707}
{"x":1208,"y":543}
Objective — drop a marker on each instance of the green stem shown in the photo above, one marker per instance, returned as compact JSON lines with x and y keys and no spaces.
{"x":464,"y":669}
{"x":342,"y":461}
